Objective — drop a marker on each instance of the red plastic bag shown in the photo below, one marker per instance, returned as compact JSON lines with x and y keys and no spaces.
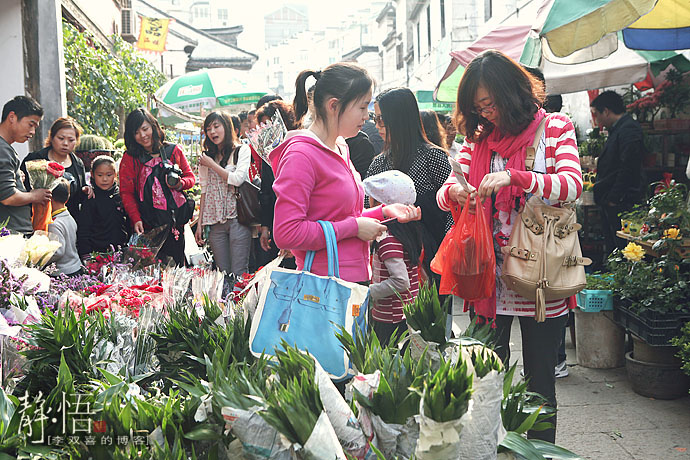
{"x":466,"y":257}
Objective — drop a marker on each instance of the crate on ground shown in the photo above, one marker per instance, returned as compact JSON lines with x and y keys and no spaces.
{"x":652,"y":327}
{"x":592,"y":300}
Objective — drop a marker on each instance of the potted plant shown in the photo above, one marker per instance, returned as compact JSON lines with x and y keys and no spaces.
{"x":675,"y":95}
{"x":651,"y":303}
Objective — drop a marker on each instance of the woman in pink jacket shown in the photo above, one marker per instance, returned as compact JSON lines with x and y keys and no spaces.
{"x":315,"y":179}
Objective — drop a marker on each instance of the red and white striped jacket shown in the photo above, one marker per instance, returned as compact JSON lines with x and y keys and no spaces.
{"x":562,"y":182}
{"x":563,"y":178}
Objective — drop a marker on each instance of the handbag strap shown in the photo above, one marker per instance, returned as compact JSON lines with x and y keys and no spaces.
{"x":331,"y":251}
{"x":531,"y":151}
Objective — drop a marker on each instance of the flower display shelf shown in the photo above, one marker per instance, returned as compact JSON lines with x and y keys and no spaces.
{"x":683,"y":246}
{"x":652,"y":327}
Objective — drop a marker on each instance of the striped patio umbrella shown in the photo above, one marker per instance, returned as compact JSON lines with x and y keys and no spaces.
{"x":666,"y":27}
{"x":624,"y":66}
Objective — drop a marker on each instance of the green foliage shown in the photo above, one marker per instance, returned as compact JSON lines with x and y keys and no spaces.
{"x":522,"y":410}
{"x":62,"y":335}
{"x":594,"y":144}
{"x":484,"y":360}
{"x":366,"y":352}
{"x":447,"y":394}
{"x":599,"y":281}
{"x":483,"y":333}
{"x":659,"y":284}
{"x":402,"y":378}
{"x":293,"y":405}
{"x":183,"y":340}
{"x":683,"y":344}
{"x":426,"y":315}
{"x":102,"y":86}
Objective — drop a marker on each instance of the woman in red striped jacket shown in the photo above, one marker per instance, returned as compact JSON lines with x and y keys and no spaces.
{"x":498,"y":108}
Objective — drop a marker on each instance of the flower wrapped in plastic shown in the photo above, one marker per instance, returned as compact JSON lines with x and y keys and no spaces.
{"x":143,"y":249}
{"x":267,"y":136}
{"x":43,"y":174}
{"x":38,"y":250}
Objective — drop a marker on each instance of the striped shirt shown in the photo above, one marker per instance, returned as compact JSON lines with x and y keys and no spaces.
{"x":390,"y":309}
{"x":557,"y":177}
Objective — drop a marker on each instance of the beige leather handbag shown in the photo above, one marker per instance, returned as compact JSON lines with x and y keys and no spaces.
{"x":543,"y":259}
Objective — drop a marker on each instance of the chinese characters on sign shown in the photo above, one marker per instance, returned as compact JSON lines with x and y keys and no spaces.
{"x":72,"y":420}
{"x":153,"y":34}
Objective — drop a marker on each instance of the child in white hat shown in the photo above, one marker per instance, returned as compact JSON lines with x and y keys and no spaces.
{"x":395,"y":277}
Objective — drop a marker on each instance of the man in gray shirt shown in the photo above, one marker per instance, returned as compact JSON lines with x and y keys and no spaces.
{"x":20,"y":118}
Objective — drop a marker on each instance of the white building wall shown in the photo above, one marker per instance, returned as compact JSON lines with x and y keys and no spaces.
{"x":11,"y":51}
{"x":105,"y":14}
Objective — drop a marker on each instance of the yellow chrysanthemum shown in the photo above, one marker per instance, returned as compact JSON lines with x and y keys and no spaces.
{"x":672,"y":233}
{"x":633,"y":252}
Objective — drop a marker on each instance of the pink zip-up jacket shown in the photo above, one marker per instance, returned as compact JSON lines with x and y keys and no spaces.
{"x":312,"y":183}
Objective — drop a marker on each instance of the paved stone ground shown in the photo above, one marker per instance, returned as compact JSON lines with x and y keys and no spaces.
{"x":601,"y":418}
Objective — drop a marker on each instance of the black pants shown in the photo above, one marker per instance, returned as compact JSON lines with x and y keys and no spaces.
{"x":540,"y":343}
{"x":611,"y":223}
{"x":173,"y":248}
{"x":384,"y":331}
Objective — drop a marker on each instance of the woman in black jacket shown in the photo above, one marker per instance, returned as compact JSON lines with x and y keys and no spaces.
{"x":407,"y":149}
{"x":59,"y":147}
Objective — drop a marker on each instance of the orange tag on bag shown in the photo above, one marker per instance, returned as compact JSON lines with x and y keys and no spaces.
{"x":355,"y":310}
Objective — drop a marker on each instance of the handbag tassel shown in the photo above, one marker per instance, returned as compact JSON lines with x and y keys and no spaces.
{"x":540,"y":302}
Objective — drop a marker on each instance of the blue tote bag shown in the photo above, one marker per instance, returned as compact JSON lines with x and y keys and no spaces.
{"x":305,"y":309}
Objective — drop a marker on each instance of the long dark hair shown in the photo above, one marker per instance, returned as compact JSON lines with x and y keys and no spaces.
{"x":410,"y":236}
{"x":433,"y":129}
{"x":344,"y":81}
{"x":516,"y":94}
{"x":229,"y":142}
{"x":404,"y":130}
{"x":134,"y":120}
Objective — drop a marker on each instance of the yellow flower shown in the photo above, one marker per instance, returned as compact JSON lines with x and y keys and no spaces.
{"x":672,"y":233}
{"x":633,"y":252}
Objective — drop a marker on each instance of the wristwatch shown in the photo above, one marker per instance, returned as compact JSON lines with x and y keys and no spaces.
{"x":509,"y":174}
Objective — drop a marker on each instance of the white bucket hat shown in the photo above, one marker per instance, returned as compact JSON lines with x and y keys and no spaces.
{"x":391,"y":187}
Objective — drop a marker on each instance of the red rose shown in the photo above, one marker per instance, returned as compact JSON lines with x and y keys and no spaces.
{"x":55,"y":169}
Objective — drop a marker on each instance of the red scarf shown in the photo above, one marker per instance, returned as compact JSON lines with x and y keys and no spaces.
{"x":513,"y":148}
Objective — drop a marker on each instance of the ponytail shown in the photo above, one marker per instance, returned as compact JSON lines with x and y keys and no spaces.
{"x":301,"y":102}
{"x":344,"y":81}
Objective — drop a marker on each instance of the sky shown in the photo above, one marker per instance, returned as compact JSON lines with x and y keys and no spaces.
{"x":321,"y":14}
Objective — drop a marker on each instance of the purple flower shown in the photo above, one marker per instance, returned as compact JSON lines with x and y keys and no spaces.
{"x":4,"y":231}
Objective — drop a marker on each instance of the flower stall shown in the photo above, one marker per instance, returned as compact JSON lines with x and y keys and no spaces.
{"x":139,"y":360}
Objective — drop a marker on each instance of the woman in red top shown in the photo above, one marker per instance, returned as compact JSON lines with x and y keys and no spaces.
{"x":145,"y":143}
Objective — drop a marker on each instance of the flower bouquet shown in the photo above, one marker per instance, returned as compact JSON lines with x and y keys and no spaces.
{"x":43,"y":174}
{"x":267,"y":136}
{"x":38,"y":250}
{"x":143,"y":249}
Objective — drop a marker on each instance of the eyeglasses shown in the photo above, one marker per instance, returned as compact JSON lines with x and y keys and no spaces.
{"x":378,"y":119}
{"x":486,"y":110}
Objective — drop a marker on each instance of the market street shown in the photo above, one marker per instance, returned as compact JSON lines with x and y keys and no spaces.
{"x":601,"y":418}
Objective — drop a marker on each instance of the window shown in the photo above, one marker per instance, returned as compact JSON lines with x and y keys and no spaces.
{"x":419,"y":42}
{"x":399,"y":56}
{"x":443,"y":18}
{"x":488,"y":9}
{"x":428,"y":28}
{"x":223,"y":14}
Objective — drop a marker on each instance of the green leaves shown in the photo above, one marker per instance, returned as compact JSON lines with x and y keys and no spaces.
{"x":402,"y":378}
{"x":447,"y":394}
{"x":426,"y":315}
{"x":104,"y":86}
{"x":183,"y":340}
{"x":62,"y":335}
{"x":293,"y":405}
